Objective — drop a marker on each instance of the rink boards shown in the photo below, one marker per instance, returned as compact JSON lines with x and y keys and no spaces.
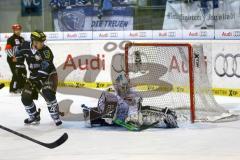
{"x":87,"y":64}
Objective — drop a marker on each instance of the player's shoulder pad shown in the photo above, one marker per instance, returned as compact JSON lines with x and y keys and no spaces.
{"x":47,"y":53}
{"x":25,"y":45}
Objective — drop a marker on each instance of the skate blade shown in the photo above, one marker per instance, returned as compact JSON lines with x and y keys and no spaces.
{"x":33,"y":124}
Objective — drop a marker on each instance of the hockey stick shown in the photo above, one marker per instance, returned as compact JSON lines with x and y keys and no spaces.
{"x":52,"y":145}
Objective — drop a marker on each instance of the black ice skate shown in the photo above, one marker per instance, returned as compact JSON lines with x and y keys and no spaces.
{"x":35,"y":119}
{"x":58,"y":122}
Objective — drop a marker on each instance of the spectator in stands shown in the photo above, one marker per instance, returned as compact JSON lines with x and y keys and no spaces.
{"x":104,"y":6}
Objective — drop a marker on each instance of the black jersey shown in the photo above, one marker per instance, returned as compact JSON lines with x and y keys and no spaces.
{"x":40,"y":62}
{"x":12,"y":45}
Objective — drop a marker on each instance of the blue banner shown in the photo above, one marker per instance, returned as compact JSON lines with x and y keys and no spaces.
{"x":87,"y":18}
{"x":59,"y":4}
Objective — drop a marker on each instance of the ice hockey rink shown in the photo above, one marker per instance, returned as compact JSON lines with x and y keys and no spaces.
{"x":199,"y":141}
{"x":179,"y":54}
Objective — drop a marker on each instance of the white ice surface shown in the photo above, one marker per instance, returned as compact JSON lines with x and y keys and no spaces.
{"x":200,"y":141}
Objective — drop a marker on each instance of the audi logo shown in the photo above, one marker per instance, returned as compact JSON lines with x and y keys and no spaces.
{"x":172,"y":34}
{"x":230,"y":65}
{"x":52,"y":36}
{"x":142,"y":34}
{"x":203,"y":34}
{"x":236,"y":33}
{"x":113,"y":35}
{"x":82,"y":35}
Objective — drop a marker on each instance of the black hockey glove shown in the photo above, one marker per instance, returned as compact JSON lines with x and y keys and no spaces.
{"x":39,"y":81}
{"x":36,"y":83}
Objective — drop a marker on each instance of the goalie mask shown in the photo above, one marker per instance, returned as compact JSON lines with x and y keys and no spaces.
{"x":122,"y":85}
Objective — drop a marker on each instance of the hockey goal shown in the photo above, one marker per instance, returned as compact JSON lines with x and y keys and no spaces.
{"x":174,"y":76}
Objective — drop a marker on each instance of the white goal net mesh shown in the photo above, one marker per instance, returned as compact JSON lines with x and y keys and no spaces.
{"x":162,"y":75}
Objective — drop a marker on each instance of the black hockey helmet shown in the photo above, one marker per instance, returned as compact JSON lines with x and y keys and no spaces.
{"x":38,"y":36}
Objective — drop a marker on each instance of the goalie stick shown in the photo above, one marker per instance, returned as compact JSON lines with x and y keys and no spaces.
{"x":52,"y":145}
{"x":133,"y":127}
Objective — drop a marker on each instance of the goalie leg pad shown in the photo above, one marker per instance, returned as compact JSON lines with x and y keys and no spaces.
{"x":165,"y":116}
{"x":93,"y":117}
{"x":170,"y":121}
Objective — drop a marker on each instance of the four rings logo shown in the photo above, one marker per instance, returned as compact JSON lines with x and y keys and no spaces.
{"x":172,"y":34}
{"x":113,"y":34}
{"x":227,"y":65}
{"x":203,"y":34}
{"x":52,"y":36}
{"x":236,"y":33}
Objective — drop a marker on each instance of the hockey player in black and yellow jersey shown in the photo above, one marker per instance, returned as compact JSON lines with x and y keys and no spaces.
{"x":43,"y":77}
